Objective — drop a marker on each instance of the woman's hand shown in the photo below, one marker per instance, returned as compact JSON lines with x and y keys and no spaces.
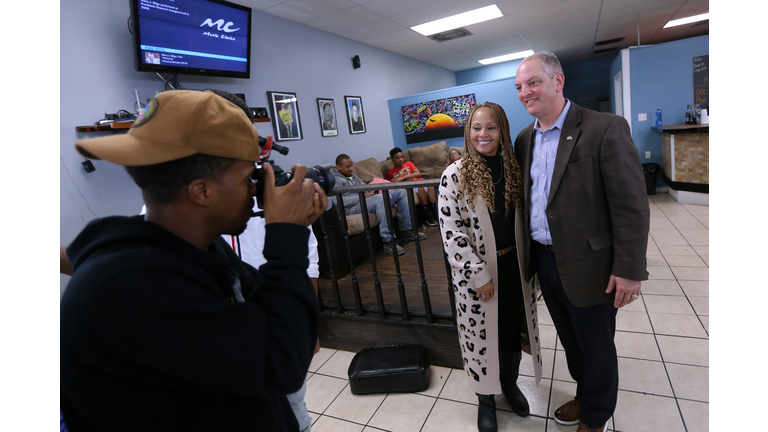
{"x":486,"y":292}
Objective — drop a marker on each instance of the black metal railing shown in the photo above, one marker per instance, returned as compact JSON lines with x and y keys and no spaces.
{"x":361,"y":324}
{"x":337,"y":303}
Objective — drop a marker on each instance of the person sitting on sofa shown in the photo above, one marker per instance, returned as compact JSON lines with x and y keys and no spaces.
{"x":408,"y":171}
{"x":345,"y":177}
{"x":453,"y":156}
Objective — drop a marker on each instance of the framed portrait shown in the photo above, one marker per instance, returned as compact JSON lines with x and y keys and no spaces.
{"x":355,"y":116}
{"x":328,"y":121}
{"x":286,"y":121}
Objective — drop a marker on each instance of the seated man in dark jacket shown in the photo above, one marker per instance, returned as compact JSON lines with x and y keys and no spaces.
{"x":162,"y":326}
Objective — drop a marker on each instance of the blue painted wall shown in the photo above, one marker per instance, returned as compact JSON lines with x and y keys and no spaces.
{"x":488,"y":73}
{"x":588,"y":83}
{"x":661,"y":76}
{"x":612,"y":71}
{"x":502,"y":92}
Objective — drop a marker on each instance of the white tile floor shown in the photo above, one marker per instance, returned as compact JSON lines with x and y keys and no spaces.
{"x":662,"y":342}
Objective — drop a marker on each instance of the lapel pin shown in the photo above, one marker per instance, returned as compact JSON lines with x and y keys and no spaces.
{"x":569,"y":138}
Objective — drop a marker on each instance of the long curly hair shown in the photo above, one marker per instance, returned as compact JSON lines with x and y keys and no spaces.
{"x":475,"y":173}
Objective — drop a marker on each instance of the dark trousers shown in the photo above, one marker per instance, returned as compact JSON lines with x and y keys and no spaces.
{"x":586,"y":335}
{"x":511,"y":306}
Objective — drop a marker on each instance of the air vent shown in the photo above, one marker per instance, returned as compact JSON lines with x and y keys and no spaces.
{"x":609,"y":41}
{"x":605,"y":50}
{"x":450,"y":34}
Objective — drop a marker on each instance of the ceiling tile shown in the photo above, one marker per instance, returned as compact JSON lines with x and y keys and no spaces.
{"x":294,"y":11}
{"x":344,"y":20}
{"x":371,"y":30}
{"x":389,"y":8}
{"x":566,"y":27}
{"x":326,"y":7}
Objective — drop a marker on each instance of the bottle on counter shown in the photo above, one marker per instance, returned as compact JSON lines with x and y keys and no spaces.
{"x":688,"y":115}
{"x":658,"y":118}
{"x":698,"y":113}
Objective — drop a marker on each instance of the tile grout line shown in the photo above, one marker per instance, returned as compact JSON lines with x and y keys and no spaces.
{"x":661,"y":354}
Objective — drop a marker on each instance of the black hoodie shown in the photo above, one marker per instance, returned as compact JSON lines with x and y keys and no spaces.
{"x":153,"y":337}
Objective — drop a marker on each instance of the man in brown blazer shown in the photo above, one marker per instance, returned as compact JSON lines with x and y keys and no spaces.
{"x":587,"y":227}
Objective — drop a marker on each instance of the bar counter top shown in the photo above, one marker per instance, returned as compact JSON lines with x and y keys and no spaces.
{"x":682,"y":128}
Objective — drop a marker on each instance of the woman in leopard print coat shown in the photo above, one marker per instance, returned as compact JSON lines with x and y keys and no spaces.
{"x":481,"y":224}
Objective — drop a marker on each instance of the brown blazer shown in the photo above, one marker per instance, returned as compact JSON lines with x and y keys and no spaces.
{"x":598,"y":211}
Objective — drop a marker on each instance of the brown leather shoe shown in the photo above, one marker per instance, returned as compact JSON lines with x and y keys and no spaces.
{"x":584,"y":428}
{"x":569,"y":413}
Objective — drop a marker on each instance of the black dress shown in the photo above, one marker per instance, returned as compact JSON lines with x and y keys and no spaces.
{"x":510,"y":289}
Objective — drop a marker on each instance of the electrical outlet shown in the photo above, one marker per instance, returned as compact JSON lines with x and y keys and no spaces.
{"x":647,"y":155}
{"x":642,"y":117}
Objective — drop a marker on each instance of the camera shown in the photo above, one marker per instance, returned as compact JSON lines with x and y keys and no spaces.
{"x":320,"y":174}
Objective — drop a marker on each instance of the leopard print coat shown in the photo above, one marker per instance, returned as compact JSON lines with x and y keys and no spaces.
{"x":470,"y":245}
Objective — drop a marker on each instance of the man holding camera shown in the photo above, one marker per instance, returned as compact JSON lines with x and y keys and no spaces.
{"x":162,"y":326}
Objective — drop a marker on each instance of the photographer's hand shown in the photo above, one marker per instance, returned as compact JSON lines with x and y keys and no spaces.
{"x":301,"y":201}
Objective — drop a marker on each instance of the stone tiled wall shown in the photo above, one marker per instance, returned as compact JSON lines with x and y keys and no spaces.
{"x":666,"y":156}
{"x":691,"y":157}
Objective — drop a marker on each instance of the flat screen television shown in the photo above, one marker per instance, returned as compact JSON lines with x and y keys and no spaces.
{"x":195,"y":37}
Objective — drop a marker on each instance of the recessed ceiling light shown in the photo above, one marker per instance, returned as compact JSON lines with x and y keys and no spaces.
{"x":460,"y":20}
{"x":691,"y":19}
{"x":508,"y":57}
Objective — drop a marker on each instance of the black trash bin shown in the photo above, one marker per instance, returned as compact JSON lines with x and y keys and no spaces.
{"x":650,"y":170}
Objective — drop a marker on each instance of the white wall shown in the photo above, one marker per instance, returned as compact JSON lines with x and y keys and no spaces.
{"x":97,"y":74}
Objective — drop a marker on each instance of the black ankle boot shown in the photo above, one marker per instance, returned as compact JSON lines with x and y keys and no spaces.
{"x":486,"y":414}
{"x":509,"y":365}
{"x":430,"y":215}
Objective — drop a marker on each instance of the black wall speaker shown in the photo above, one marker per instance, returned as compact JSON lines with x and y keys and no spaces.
{"x":259,"y":112}
{"x":356,"y":61}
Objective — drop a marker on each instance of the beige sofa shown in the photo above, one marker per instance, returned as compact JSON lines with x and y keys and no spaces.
{"x":430,"y":160}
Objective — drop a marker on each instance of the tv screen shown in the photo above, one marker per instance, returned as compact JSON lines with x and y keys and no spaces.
{"x":437,"y":119}
{"x":197,"y":37}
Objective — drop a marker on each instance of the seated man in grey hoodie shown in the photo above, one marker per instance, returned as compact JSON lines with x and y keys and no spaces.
{"x":375,"y":202}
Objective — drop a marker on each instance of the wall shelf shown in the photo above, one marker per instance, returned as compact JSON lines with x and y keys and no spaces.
{"x":123,"y":125}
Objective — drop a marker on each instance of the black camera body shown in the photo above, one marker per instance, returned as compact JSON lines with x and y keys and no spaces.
{"x":320,"y":174}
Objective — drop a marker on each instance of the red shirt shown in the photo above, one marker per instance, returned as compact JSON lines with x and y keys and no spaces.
{"x":402,"y":171}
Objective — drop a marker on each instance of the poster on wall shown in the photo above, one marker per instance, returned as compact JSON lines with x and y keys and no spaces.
{"x":285,"y":115}
{"x":437,"y":119}
{"x":355,"y":115}
{"x":327,"y":111}
{"x":701,"y":81}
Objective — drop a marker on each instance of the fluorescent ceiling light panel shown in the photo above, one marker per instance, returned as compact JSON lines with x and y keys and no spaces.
{"x":460,"y":20}
{"x":688,"y":20}
{"x":508,"y":57}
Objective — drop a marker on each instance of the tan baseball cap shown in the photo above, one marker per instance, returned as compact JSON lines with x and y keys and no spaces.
{"x":177,"y":124}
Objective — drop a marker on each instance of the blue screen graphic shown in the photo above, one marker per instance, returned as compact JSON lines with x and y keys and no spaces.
{"x":193,"y":34}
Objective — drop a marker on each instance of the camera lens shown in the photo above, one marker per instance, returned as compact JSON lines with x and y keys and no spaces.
{"x":321,"y":174}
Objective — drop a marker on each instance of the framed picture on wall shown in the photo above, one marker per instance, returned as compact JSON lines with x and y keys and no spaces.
{"x":355,"y":116}
{"x":285,"y":115}
{"x":437,"y":119}
{"x":328,"y":124}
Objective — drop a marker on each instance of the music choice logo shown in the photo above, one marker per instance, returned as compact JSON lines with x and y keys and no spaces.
{"x":220,"y":25}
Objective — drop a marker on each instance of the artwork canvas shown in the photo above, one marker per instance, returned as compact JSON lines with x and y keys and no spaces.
{"x":437,"y":119}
